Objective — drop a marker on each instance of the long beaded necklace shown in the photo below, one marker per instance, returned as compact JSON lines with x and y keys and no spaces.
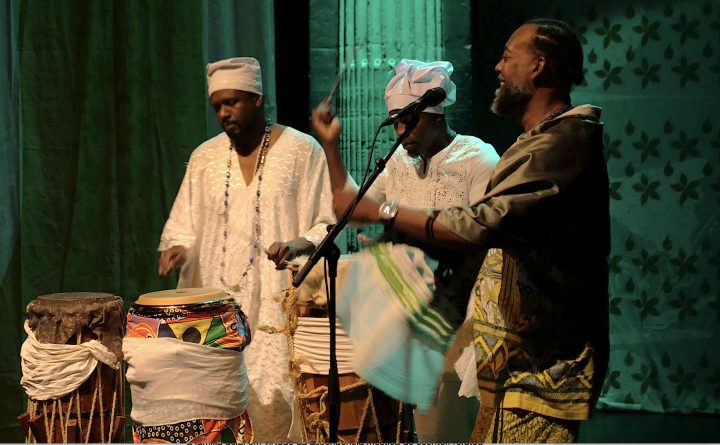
{"x":256,"y":238}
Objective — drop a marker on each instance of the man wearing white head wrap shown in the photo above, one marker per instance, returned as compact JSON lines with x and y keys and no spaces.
{"x":413,"y":78}
{"x":435,"y":168}
{"x":256,"y":187}
{"x":238,"y":73}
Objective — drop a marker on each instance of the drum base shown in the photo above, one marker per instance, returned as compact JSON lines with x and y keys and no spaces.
{"x":366,"y":414}
{"x":94,"y":413}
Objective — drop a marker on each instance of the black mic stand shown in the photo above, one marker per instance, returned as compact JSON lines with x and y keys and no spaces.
{"x":328,"y":249}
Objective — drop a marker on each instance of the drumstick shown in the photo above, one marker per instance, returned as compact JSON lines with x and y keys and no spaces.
{"x":283,"y":263}
{"x":338,"y":77}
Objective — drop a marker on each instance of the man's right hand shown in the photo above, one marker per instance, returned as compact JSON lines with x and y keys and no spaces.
{"x":327,"y":125}
{"x":171,"y":259}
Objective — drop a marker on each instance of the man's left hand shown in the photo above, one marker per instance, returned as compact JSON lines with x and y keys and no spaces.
{"x":282,"y":252}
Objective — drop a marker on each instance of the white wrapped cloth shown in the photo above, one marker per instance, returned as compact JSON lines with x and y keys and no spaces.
{"x":413,"y":78}
{"x":311,"y":344}
{"x":399,"y":340}
{"x":50,"y":371}
{"x":237,"y":73}
{"x":174,"y":381}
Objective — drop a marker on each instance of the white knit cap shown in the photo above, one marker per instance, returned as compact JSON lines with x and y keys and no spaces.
{"x":238,"y":73}
{"x":413,"y":78}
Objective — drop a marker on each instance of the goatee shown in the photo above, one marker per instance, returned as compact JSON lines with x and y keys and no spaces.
{"x":510,"y":100}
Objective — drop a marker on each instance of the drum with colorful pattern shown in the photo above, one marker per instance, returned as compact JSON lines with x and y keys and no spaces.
{"x":203,"y":316}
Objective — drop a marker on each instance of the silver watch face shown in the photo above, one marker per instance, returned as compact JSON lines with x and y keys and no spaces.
{"x":388,"y":210}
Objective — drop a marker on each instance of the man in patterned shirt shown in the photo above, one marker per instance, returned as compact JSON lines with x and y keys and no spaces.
{"x":541,"y":298}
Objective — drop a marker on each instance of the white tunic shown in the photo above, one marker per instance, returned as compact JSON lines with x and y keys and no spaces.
{"x":455,"y":176}
{"x":295,"y":200}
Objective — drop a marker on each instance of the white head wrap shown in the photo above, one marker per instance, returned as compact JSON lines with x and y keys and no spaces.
{"x":238,"y":73}
{"x":413,"y":78}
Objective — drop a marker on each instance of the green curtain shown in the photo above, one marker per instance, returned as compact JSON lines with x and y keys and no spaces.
{"x":9,"y":217}
{"x":113,"y":101}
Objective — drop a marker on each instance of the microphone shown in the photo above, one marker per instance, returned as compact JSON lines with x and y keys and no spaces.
{"x":431,"y":98}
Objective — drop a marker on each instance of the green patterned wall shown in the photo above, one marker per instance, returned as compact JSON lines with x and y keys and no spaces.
{"x":655,"y":70}
{"x":371,"y":37}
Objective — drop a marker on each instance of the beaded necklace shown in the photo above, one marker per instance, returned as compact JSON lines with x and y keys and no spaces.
{"x":256,"y":238}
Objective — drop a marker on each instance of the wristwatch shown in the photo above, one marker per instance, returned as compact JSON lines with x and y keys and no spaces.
{"x":387,"y":212}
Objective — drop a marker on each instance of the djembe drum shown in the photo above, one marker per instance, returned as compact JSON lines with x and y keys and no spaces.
{"x":185,"y":368}
{"x":72,"y":373}
{"x":366,"y":413}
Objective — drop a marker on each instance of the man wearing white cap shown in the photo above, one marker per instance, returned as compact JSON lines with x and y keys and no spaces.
{"x":436,"y":167}
{"x":253,"y":198}
{"x":433,"y":169}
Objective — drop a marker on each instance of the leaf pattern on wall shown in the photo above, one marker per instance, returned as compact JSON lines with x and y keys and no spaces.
{"x":655,"y":71}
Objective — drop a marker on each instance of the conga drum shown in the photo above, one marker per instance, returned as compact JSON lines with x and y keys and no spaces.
{"x":72,"y":373}
{"x":185,"y":367}
{"x":366,"y":413}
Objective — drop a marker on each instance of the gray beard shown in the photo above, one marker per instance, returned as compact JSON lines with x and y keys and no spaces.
{"x":510,"y":101}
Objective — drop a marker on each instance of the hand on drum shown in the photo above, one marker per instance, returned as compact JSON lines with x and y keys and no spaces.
{"x":171,"y":259}
{"x":283,"y":252}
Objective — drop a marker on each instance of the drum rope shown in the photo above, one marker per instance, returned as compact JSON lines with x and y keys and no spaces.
{"x":112,"y":416}
{"x":313,"y":422}
{"x":32,"y":411}
{"x":368,"y":404}
{"x":101,"y":406}
{"x":399,"y":422}
{"x":49,"y":427}
{"x":64,"y":425}
{"x":373,"y":410}
{"x":90,"y":416}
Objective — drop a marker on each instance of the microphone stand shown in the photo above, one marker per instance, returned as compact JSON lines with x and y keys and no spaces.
{"x":328,"y":249}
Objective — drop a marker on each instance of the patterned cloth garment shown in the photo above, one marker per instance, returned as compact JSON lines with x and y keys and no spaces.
{"x":196,"y":431}
{"x":219,"y":326}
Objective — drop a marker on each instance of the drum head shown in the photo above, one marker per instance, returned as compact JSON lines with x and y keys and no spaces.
{"x":76,"y":297}
{"x":172,"y":297}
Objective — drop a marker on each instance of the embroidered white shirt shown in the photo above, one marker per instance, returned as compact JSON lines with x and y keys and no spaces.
{"x":295,"y":200}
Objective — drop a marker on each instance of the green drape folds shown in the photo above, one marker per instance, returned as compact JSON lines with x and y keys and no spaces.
{"x":9,"y":209}
{"x":233,"y":29}
{"x":113,"y":101}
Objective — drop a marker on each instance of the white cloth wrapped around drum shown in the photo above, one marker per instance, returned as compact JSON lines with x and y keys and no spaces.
{"x":398,"y":320}
{"x":183,"y":349}
{"x":367,"y":415}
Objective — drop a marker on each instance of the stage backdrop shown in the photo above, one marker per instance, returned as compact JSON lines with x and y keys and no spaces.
{"x":112,"y":100}
{"x":654,"y":70}
{"x":104,"y":100}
